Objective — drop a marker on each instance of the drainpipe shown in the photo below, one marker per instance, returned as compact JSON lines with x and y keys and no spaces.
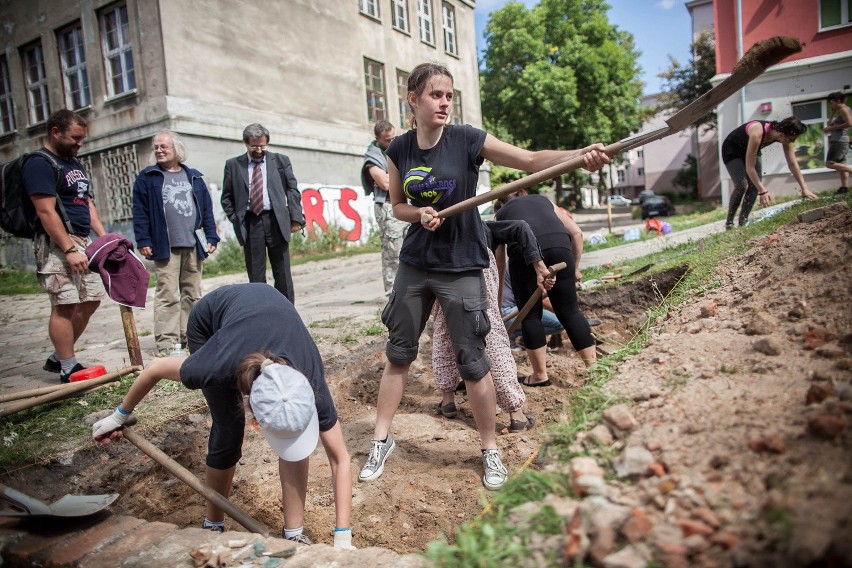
{"x":740,"y":55}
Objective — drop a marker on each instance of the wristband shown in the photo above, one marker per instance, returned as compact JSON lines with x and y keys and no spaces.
{"x":69,"y":250}
{"x":120,"y":411}
{"x":342,"y":530}
{"x":764,"y":193}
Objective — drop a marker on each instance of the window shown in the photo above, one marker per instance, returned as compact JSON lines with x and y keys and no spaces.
{"x":620,"y":174}
{"x":456,"y":117}
{"x":118,"y":53}
{"x":424,"y":17}
{"x":448,"y":19}
{"x":369,"y":7}
{"x":641,"y":172}
{"x":73,"y":58}
{"x":834,"y":13}
{"x":7,"y":108}
{"x":400,"y":14}
{"x":810,"y":146}
{"x":402,"y":96}
{"x":36,"y":81}
{"x":374,"y":79}
{"x":640,"y":153}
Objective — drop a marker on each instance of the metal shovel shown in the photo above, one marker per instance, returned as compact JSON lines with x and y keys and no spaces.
{"x":67,"y":506}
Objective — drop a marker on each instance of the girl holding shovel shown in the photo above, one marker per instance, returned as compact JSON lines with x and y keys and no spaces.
{"x":235,"y":352}
{"x":433,"y":166}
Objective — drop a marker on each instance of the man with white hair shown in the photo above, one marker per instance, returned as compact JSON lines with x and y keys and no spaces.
{"x":174,"y":226}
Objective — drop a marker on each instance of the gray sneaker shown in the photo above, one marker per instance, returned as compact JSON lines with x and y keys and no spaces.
{"x":495,"y":473}
{"x":375,"y":465}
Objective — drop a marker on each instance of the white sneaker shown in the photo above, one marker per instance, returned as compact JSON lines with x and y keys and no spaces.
{"x":375,"y":465}
{"x":495,"y":472}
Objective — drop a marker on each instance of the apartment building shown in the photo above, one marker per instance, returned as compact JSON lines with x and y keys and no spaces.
{"x":796,"y":87}
{"x":316,"y":73}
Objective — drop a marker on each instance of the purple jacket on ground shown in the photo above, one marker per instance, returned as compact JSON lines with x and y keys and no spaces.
{"x":125,"y":277}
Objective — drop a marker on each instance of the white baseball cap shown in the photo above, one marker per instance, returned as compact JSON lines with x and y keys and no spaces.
{"x":282,"y":401}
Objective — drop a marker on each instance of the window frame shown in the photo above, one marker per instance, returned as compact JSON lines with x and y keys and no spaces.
{"x":78,"y":70}
{"x":7,"y":103}
{"x":818,"y":123}
{"x":374,"y":97}
{"x":457,"y":113}
{"x":402,"y":96}
{"x":620,"y":175}
{"x":122,"y":53}
{"x":448,"y":27}
{"x":39,"y":85}
{"x":844,"y":22}
{"x":368,"y":7}
{"x":426,"y":21}
{"x":399,"y":15}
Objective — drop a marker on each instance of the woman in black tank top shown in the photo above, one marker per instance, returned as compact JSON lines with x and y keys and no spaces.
{"x":741,"y":154}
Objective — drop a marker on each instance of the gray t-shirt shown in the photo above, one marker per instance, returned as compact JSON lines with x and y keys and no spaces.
{"x":179,"y":206}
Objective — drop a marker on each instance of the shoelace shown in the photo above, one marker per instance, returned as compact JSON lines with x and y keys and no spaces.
{"x":492,"y":461}
{"x":373,"y":458}
{"x":301,"y":539}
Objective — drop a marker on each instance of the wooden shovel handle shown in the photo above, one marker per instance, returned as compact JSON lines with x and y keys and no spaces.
{"x":533,"y":299}
{"x":187,"y":477}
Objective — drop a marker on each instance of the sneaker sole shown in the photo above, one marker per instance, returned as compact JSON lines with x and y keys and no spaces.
{"x":378,"y":472}
{"x":491,"y":487}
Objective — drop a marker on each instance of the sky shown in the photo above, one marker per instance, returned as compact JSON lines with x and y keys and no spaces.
{"x":660,"y":28}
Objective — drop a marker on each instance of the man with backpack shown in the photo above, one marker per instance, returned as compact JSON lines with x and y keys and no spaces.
{"x":61,"y":238}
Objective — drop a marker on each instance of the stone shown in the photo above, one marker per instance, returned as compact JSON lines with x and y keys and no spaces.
{"x":773,"y":444}
{"x":637,"y":526}
{"x":708,"y":310}
{"x":767,"y":346}
{"x":816,"y":337}
{"x":690,"y":527}
{"x":696,"y":544}
{"x":582,"y":471}
{"x":604,"y":519}
{"x":818,"y":392}
{"x":620,"y":418}
{"x":601,"y":434}
{"x":628,"y":557}
{"x":826,"y":426}
{"x":760,"y":324}
{"x":725,"y":539}
{"x":633,"y":462}
{"x":830,"y":350}
{"x":708,"y":516}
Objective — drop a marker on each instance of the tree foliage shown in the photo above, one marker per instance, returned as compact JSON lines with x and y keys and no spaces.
{"x":687,"y":176}
{"x":559,"y":75}
{"x":682,"y":84}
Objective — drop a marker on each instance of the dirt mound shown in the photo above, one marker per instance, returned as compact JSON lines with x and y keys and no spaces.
{"x":720,"y":399}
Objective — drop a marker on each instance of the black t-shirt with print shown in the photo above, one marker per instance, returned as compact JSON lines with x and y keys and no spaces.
{"x":39,"y":178}
{"x":439,"y":177}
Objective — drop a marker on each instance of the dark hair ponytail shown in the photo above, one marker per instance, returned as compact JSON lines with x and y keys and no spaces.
{"x":790,"y":126}
{"x":249,"y":369}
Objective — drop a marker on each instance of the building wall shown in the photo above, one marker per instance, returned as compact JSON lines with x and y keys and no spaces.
{"x":207,"y":69}
{"x":823,"y":66}
{"x":761,"y":20}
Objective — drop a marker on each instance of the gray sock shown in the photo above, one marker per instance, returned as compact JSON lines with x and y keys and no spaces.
{"x":68,"y":364}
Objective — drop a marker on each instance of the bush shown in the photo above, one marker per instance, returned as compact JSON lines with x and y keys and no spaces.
{"x":228,"y":259}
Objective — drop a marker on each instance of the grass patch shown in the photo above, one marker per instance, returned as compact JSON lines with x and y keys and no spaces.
{"x":47,"y":432}
{"x":15,"y":281}
{"x":493,"y":539}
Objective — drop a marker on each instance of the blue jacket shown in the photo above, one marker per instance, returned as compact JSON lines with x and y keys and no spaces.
{"x":149,"y":217}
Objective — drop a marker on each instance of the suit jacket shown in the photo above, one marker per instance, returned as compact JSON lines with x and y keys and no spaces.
{"x":284,"y":196}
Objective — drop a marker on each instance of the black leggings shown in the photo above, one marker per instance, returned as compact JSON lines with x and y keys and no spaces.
{"x":563,"y":296}
{"x":744,"y":190}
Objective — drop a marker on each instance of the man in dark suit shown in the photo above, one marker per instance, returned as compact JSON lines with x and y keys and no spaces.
{"x":261,"y":199}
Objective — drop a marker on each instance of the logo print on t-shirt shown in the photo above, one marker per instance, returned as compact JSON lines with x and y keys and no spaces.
{"x":179,"y":196}
{"x":78,"y":178}
{"x":423,"y":188}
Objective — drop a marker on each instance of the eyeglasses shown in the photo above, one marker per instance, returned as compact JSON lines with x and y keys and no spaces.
{"x":258,"y":147}
{"x":163,"y":147}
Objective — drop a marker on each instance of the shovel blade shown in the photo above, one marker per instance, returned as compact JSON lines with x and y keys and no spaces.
{"x":68,"y":506}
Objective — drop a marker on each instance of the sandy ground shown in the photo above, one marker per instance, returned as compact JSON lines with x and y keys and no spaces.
{"x":723,"y":379}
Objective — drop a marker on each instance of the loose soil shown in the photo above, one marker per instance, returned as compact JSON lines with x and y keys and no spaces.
{"x":720,"y":399}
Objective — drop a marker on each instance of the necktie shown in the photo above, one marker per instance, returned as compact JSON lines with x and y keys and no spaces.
{"x":256,"y":190}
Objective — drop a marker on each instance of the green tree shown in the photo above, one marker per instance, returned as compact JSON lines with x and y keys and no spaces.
{"x":687,"y":176}
{"x":559,"y":75}
{"x":682,"y":84}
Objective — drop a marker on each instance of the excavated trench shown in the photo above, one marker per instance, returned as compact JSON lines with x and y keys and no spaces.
{"x":432,"y":482}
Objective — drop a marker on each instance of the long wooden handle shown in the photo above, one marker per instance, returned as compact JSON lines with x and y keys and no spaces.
{"x":187,"y":477}
{"x":553,"y":171}
{"x":66,"y":390}
{"x":533,"y":299}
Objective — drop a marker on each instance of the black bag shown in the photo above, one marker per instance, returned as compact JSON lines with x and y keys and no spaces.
{"x":17,"y":212}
